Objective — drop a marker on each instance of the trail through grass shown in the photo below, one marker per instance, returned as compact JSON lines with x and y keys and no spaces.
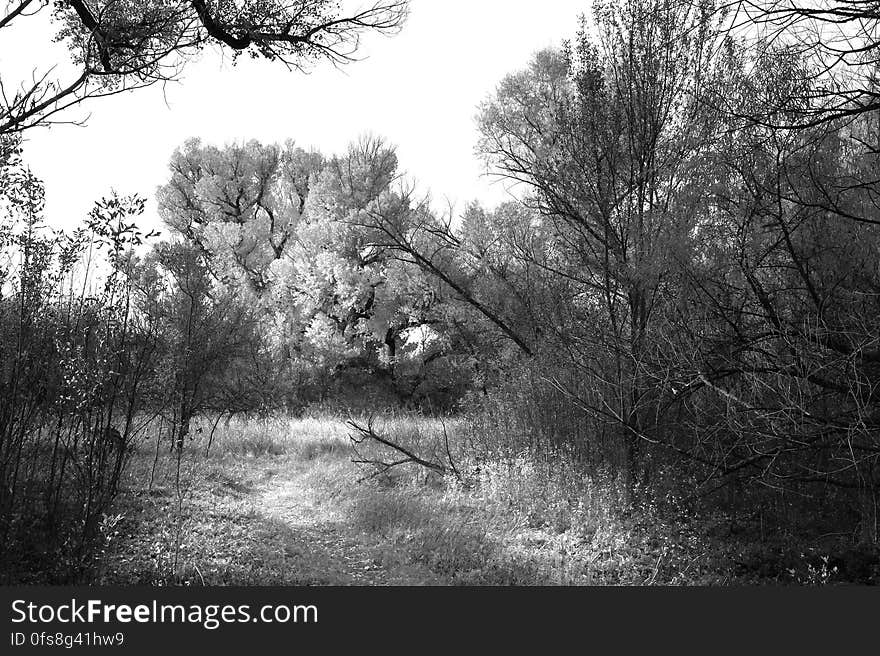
{"x":279,"y":502}
{"x":250,"y":515}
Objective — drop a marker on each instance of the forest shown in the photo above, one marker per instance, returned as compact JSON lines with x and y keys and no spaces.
{"x":657,"y":363}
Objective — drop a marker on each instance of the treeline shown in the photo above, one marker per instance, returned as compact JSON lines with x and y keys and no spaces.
{"x":685,"y":295}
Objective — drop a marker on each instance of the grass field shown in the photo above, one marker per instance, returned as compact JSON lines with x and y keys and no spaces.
{"x":280,"y":502}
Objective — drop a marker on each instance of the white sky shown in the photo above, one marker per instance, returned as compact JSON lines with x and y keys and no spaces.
{"x":419,"y":89}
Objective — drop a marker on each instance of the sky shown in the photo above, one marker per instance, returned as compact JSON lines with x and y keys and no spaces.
{"x":419,"y":89}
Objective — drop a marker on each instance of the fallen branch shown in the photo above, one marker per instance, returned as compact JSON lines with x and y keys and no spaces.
{"x":368,"y":432}
{"x":448,"y":452}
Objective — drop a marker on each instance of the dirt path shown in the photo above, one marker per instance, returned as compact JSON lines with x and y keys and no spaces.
{"x":320,"y":545}
{"x":247,"y":522}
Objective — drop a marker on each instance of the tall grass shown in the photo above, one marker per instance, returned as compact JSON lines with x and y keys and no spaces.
{"x":304,"y":438}
{"x":509,"y":519}
{"x":515,"y":518}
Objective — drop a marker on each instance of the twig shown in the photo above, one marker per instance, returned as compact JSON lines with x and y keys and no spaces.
{"x":656,"y":569}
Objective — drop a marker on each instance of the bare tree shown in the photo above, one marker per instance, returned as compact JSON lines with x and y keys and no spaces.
{"x":837,"y":44}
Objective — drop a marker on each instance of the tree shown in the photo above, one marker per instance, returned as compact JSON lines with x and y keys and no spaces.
{"x":606,"y":137}
{"x":203,"y":332}
{"x":836,"y":43}
{"x":281,"y":229}
{"x":240,"y":205}
{"x":349,"y":304}
{"x":116,"y":45}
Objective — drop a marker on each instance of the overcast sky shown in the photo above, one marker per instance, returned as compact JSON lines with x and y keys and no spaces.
{"x":419,"y":89}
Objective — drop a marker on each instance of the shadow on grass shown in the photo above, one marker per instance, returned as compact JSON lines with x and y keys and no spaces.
{"x":225,"y":547}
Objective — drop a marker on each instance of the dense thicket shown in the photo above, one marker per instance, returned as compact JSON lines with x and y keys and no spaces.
{"x":72,"y":374}
{"x":690,"y":289}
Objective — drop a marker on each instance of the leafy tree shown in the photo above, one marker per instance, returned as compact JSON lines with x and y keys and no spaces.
{"x":283,"y":230}
{"x":240,"y":205}
{"x":203,"y":332}
{"x":606,"y":137}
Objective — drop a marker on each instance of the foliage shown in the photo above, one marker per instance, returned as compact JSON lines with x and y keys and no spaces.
{"x":283,"y":231}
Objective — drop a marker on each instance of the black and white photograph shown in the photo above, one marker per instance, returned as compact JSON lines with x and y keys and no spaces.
{"x":423,"y":293}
